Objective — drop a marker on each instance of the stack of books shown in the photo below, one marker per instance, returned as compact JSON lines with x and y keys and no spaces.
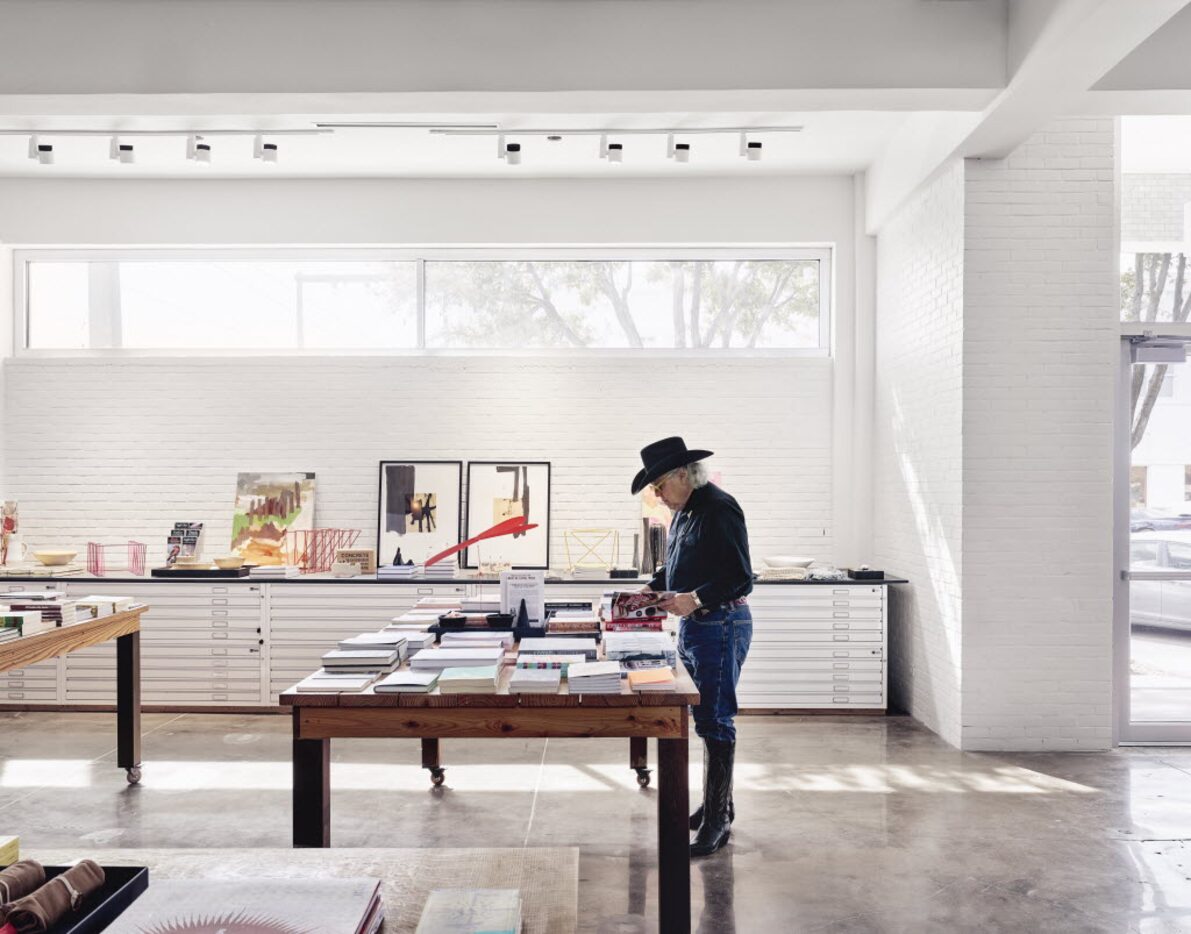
{"x":100,"y":605}
{"x":594,"y":678}
{"x":376,"y":661}
{"x":535,"y":680}
{"x":407,"y":682}
{"x":437,"y":604}
{"x":480,"y":605}
{"x":8,"y":633}
{"x":275,"y":571}
{"x":536,"y":660}
{"x":49,"y":604}
{"x":622,"y":646}
{"x":581,"y":622}
{"x":439,"y":659}
{"x":415,"y":639}
{"x":396,"y":572}
{"x":557,"y":645}
{"x":394,"y":641}
{"x":40,"y":570}
{"x":335,"y":682}
{"x":444,"y":570}
{"x":652,"y":679}
{"x":452,"y":639}
{"x":463,"y":911}
{"x":24,"y":622}
{"x":477,"y":679}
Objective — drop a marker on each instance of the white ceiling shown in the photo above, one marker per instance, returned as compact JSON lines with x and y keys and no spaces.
{"x":831,"y":142}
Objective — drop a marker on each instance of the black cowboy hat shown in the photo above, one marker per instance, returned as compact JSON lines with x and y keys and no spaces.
{"x":663,"y":456}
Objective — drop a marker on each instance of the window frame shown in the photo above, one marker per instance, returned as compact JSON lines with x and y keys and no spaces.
{"x":823,"y":253}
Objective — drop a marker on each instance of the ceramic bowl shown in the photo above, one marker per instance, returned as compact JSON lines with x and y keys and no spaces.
{"x":499,"y":620}
{"x":229,"y":562}
{"x":452,"y":621}
{"x":54,"y":558}
{"x":789,"y":561}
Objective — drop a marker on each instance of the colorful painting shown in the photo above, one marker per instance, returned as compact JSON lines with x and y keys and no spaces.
{"x":267,"y":506}
{"x":500,"y":490}
{"x":419,"y":509}
{"x":10,"y":524}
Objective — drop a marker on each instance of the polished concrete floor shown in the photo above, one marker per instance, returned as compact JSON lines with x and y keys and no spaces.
{"x":843,"y":824}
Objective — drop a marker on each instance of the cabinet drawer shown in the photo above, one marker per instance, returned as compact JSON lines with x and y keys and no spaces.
{"x":780,"y":637}
{"x":760,"y":699}
{"x":799,"y":680}
{"x":765,"y":663}
{"x":17,"y":695}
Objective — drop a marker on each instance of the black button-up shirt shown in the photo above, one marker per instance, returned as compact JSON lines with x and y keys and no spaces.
{"x":708,"y":549}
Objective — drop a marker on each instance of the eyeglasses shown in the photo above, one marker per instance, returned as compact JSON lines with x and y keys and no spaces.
{"x":657,"y":484}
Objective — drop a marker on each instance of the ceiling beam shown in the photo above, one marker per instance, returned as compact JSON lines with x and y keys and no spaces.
{"x":1062,"y":48}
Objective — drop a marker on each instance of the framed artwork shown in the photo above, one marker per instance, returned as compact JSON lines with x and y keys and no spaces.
{"x":500,"y":490}
{"x":418,"y":509}
{"x":267,"y":506}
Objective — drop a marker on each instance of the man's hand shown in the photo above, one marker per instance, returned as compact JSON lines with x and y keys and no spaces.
{"x":646,"y":589}
{"x":681,"y":604}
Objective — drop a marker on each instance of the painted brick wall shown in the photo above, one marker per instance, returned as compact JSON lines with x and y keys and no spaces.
{"x":1152,"y":207}
{"x":1040,"y":348}
{"x":119,"y":449}
{"x":917,"y":452}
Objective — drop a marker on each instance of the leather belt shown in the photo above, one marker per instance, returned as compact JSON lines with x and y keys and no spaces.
{"x":730,"y":605}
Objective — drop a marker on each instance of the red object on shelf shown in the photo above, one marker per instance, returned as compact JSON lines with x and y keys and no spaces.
{"x":313,"y":550}
{"x":134,"y":558}
{"x":508,"y":527}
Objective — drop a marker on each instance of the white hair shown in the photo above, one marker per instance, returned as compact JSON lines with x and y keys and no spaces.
{"x":697,"y":474}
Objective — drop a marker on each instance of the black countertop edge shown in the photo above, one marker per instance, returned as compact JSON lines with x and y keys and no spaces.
{"x":420,"y":582}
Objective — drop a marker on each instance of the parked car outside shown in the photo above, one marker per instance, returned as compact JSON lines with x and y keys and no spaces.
{"x":1158,"y":520}
{"x":1160,"y":604}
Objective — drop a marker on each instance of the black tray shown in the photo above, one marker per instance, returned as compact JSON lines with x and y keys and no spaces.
{"x":202,"y":572}
{"x":121,"y":886}
{"x":869,"y":575}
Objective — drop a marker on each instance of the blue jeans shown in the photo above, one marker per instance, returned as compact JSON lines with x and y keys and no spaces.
{"x":713,"y":648}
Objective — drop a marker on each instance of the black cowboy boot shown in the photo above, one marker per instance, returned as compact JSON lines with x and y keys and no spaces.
{"x":716,"y":828}
{"x":697,"y":817}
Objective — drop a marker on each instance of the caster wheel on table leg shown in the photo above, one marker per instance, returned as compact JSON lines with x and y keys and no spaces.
{"x":437,"y":776}
{"x":643,"y":777}
{"x":134,"y":775}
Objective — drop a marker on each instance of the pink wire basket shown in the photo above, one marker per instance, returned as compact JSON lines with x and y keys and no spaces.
{"x":134,"y":558}
{"x":313,"y":550}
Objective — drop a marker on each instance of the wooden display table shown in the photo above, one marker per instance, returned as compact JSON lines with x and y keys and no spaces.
{"x":125,"y":628}
{"x":319,"y":718}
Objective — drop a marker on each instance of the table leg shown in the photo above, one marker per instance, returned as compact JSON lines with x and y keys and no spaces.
{"x":128,"y":705}
{"x":674,"y":838}
{"x":431,"y":761}
{"x":639,"y":759}
{"x":312,"y":789}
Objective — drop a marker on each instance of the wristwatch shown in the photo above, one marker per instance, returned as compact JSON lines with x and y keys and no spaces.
{"x":698,"y":602}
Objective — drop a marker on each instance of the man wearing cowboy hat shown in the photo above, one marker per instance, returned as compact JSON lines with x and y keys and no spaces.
{"x":706,"y":578}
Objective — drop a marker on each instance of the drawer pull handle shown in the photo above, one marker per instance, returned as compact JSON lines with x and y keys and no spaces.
{"x":219,"y":622}
{"x":839,"y":654}
{"x":219,"y":635}
{"x":219,"y":601}
{"x":839,"y":602}
{"x":218,"y":590}
{"x":838,"y":615}
{"x":840,"y":590}
{"x":842,"y":687}
{"x":840,"y":677}
{"x":839,"y":664}
{"x":219,"y":612}
{"x":16,"y":695}
{"x":840,"y":637}
{"x":840,"y":700}
{"x":219,"y":651}
{"x":840,"y":625}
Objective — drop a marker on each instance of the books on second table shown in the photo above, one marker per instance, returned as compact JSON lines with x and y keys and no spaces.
{"x":535,"y":681}
{"x":407,"y":682}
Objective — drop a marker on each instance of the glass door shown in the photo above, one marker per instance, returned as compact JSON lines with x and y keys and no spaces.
{"x":1154,"y":554}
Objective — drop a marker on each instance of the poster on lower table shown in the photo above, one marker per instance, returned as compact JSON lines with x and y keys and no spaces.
{"x":419,"y":503}
{"x":502,"y":490}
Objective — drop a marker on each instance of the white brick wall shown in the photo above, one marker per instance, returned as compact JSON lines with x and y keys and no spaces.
{"x":120,"y":449}
{"x":917,"y":452}
{"x":1041,"y":310}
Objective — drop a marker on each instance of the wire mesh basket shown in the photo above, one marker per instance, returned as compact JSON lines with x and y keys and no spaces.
{"x":313,"y":550}
{"x":99,"y":563}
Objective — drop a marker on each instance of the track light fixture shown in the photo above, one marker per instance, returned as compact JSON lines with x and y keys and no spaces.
{"x":513,"y":153}
{"x":750,"y":149}
{"x":42,"y":152}
{"x":269,"y":153}
{"x":125,"y":153}
{"x":34,"y":141}
{"x":202,"y":153}
{"x":682,"y":152}
{"x":615,"y":152}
